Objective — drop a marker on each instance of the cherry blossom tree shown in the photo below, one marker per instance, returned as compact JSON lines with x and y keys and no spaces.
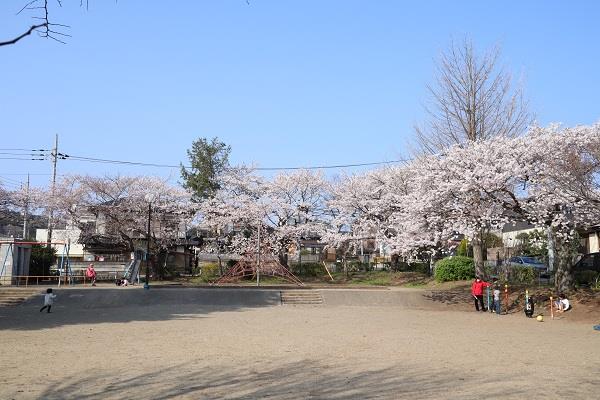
{"x":547,"y":177}
{"x":286,"y":209}
{"x":115,"y":209}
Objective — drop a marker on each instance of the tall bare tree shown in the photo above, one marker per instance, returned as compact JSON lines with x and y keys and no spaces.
{"x":472,"y":99}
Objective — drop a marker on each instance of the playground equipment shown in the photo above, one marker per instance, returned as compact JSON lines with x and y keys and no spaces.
{"x":132,"y":271}
{"x":64,"y":264}
{"x":252,"y":266}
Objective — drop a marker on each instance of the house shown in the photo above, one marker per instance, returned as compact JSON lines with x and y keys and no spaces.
{"x":591,"y":239}
{"x":93,"y":239}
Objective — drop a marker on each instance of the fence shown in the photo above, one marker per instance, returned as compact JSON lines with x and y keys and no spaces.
{"x":35,"y":280}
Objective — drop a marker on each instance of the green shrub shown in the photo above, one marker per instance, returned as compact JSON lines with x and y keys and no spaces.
{"x":41,"y":260}
{"x":358,"y":266}
{"x":420,"y":267}
{"x":586,"y":278}
{"x":455,"y":268}
{"x":522,"y":274}
{"x":210,"y":271}
{"x":308,"y":269}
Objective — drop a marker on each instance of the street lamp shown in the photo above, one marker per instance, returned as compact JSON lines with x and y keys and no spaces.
{"x":149,"y":198}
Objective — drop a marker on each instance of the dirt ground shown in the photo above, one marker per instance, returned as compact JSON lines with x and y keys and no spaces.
{"x":376,"y":350}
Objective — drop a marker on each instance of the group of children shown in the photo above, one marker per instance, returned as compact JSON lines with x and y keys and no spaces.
{"x":562,"y":304}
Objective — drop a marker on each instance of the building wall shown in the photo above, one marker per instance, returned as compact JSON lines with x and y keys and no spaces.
{"x":593,"y":245}
{"x":63,"y":235}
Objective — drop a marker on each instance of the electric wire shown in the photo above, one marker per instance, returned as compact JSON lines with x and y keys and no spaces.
{"x":64,"y":156}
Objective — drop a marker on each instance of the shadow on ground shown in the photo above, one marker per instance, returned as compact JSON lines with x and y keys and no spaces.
{"x":289,"y":380}
{"x":90,"y":306}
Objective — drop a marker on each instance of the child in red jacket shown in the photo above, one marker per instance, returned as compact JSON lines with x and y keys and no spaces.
{"x":477,"y":292}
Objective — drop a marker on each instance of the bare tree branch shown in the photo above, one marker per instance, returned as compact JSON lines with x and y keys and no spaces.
{"x":31,"y":29}
{"x":43,"y":29}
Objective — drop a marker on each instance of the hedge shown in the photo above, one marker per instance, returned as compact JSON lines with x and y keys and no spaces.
{"x":454,"y":268}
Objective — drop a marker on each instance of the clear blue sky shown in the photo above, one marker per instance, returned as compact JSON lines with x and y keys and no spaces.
{"x":285,"y":83}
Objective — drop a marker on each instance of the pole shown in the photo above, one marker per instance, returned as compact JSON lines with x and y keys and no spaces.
{"x":327,"y":270}
{"x":68,"y":265}
{"x":147,"y":283}
{"x":258,"y":259}
{"x":506,"y":297}
{"x":26,"y":209}
{"x":551,"y":307}
{"x":54,"y":155}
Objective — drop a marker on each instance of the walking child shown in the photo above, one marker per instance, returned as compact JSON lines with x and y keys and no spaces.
{"x":48,"y":300}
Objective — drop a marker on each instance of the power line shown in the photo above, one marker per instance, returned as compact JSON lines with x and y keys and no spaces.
{"x":10,"y":180}
{"x":25,"y":173}
{"x":100,"y":160}
{"x":24,"y":150}
{"x":21,"y":154}
{"x":22,"y":159}
{"x":332,"y":166}
{"x":62,"y":156}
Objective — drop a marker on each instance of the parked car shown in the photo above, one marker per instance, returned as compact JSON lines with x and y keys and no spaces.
{"x":527,"y":261}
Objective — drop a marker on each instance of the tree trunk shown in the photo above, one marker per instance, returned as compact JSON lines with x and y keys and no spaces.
{"x":283,"y":259}
{"x":220,"y":265}
{"x":563,"y":279}
{"x":551,"y":245}
{"x":477,"y":245}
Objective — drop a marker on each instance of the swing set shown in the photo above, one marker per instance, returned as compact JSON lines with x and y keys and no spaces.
{"x":64,"y":264}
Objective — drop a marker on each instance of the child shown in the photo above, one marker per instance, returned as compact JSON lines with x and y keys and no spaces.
{"x":48,"y":300}
{"x":90,"y":272}
{"x":497,"y":298}
{"x":562,"y":304}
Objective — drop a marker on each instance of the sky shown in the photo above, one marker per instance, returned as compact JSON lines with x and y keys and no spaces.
{"x":284,"y":83}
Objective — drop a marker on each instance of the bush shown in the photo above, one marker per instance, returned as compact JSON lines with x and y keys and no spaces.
{"x":359,"y":266}
{"x":522,"y":274}
{"x":308,"y":269}
{"x":209,"y":272}
{"x":420,"y":267}
{"x":455,"y":268}
{"x":587,"y":278}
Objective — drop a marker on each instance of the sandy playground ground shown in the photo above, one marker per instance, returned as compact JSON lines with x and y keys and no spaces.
{"x":178,"y":344}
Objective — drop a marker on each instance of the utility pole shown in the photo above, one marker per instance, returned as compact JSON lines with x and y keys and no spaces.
{"x":54,"y":156}
{"x":258,"y":259}
{"x":26,"y":209}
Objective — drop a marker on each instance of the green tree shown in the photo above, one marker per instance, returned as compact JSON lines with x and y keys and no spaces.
{"x":463,"y":248}
{"x":41,"y":260}
{"x":208,"y":159}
